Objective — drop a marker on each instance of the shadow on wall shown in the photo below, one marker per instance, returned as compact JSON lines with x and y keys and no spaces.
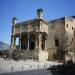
{"x":67,"y":68}
{"x":59,"y":55}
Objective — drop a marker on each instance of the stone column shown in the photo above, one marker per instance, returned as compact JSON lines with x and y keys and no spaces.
{"x":20,"y":42}
{"x":28,"y":43}
{"x":40,"y":40}
{"x":46,"y":44}
{"x":36,"y":43}
{"x":14,"y":42}
{"x":11,"y":42}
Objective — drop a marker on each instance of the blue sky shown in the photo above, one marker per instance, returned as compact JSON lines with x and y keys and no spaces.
{"x":26,"y":10}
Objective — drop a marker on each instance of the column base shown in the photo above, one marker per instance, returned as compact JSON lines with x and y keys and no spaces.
{"x":43,"y":55}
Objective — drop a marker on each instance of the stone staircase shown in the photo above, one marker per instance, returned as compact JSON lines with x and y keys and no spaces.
{"x":24,"y":54}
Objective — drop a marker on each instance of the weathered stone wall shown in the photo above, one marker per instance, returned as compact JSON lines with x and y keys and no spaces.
{"x":70,"y":38}
{"x":56,"y":30}
{"x":69,"y":33}
{"x":59,"y":32}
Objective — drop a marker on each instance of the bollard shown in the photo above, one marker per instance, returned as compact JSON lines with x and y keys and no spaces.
{"x":50,"y":65}
{"x":22,"y":68}
{"x":38,"y":66}
{"x":53,"y":64}
{"x":30,"y":66}
{"x":0,"y":68}
{"x":12,"y":68}
{"x":44,"y":65}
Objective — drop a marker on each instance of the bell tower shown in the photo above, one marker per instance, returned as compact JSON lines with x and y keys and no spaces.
{"x":39,"y":13}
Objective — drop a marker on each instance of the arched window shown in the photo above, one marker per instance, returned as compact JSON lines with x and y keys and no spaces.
{"x":17,"y":42}
{"x":56,"y":42}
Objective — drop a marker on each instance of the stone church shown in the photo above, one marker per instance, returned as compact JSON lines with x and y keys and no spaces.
{"x":44,"y":40}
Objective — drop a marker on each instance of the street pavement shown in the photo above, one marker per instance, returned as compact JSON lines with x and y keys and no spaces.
{"x":31,"y":72}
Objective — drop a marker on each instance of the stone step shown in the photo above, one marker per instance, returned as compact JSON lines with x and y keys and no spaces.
{"x":26,"y":54}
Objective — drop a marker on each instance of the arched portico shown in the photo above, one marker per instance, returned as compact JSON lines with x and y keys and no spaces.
{"x":31,"y":41}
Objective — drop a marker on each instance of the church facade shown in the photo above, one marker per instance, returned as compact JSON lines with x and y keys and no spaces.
{"x":43,"y":40}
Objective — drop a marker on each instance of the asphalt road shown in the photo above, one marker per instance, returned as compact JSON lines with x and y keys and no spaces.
{"x":32,"y":72}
